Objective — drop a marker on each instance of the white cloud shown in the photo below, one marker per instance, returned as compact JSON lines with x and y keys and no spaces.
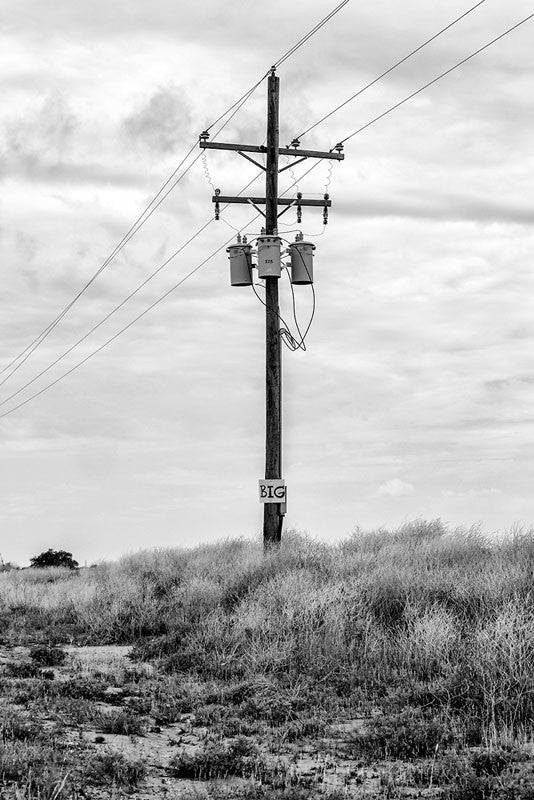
{"x":419,"y":355}
{"x":395,"y":488}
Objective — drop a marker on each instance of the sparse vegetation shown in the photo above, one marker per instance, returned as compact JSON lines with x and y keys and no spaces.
{"x":414,"y":646}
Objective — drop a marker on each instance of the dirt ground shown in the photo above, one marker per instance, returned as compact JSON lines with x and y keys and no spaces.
{"x":316,"y":764}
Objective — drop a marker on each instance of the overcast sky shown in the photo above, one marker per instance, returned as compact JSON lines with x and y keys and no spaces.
{"x":415,"y":396}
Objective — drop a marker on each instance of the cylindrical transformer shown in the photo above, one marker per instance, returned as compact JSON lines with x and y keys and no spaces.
{"x":301,"y":261}
{"x":240,"y":256}
{"x":269,"y":264}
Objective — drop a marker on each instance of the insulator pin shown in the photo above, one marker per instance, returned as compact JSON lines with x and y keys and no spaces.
{"x":299,"y":208}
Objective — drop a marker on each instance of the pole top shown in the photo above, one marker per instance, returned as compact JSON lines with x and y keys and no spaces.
{"x":273,"y":69}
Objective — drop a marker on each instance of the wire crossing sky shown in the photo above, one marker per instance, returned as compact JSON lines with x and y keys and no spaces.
{"x":170,"y":184}
{"x":413,"y":396}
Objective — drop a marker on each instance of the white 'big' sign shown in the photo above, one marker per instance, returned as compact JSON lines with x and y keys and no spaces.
{"x":272,"y":490}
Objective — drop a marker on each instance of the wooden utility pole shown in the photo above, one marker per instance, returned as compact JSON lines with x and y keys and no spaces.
{"x":272,"y":517}
{"x":273,"y":511}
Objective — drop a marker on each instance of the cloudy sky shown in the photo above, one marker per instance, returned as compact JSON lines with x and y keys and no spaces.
{"x":415,"y":396}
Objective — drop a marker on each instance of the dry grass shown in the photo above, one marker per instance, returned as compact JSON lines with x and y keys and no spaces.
{"x":432,"y":627}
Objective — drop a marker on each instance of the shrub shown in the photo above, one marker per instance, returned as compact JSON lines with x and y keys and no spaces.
{"x":15,"y":727}
{"x":407,"y":735}
{"x":48,"y":656}
{"x":116,"y":769}
{"x":239,"y":757}
{"x":22,"y":669}
{"x":54,"y":558}
{"x":125,"y":723}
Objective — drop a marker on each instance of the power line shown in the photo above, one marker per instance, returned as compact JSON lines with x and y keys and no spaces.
{"x":390,"y":69}
{"x":146,"y":311}
{"x":131,"y":233}
{"x":435,"y":80}
{"x":310,"y":33}
{"x":127,"y":236}
{"x":120,"y":305}
{"x":122,"y":330}
{"x":110,"y":314}
{"x":147,"y":213}
{"x":281,"y":60}
{"x":155,"y":203}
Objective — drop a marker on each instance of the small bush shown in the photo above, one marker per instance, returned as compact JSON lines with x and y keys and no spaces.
{"x":22,"y":669}
{"x":114,"y":768}
{"x":85,"y":688}
{"x":15,"y":727}
{"x":125,"y":723}
{"x":407,"y":735}
{"x":239,"y":757}
{"x":54,"y":558}
{"x":48,"y":656}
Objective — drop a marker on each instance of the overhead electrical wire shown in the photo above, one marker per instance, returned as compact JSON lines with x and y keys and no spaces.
{"x":157,"y":200}
{"x":310,"y":33}
{"x":390,"y":69}
{"x":105,"y":319}
{"x":283,"y":58}
{"x":121,"y":304}
{"x":435,"y":80}
{"x":127,"y":236}
{"x":119,"y":332}
{"x":155,"y":203}
{"x":143,"y":313}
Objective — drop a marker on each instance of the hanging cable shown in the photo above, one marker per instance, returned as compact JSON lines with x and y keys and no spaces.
{"x":162,"y":195}
{"x":290,"y":341}
{"x":140,"y":221}
{"x":390,"y":69}
{"x":293,"y":49}
{"x":124,"y":329}
{"x":149,"y":210}
{"x":286,"y":339}
{"x":156,"y":201}
{"x":435,"y":80}
{"x":122,"y":303}
{"x":310,"y":33}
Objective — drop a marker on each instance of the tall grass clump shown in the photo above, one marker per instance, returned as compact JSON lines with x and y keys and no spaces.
{"x":424,"y":614}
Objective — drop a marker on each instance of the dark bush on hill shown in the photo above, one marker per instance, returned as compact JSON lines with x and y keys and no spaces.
{"x":54,"y":558}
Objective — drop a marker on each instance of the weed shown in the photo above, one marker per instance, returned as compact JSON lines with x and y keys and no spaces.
{"x":125,"y":723}
{"x":116,"y":769}
{"x":86,"y":688}
{"x":407,"y":735}
{"x":48,"y":656}
{"x":16,"y":727}
{"x":238,"y":757}
{"x":22,"y":669}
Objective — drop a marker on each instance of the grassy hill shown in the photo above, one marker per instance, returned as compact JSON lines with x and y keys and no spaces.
{"x":396,"y":663}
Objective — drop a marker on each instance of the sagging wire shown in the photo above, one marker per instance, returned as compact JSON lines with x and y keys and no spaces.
{"x":285,"y":334}
{"x":290,"y":341}
{"x":301,"y":345}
